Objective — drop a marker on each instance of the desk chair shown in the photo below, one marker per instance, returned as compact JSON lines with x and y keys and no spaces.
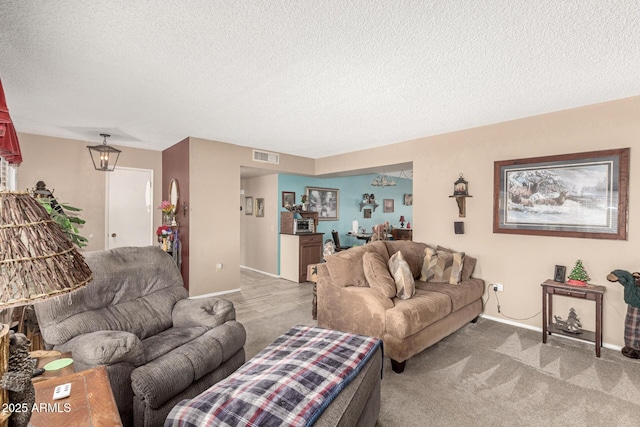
{"x":336,"y":241}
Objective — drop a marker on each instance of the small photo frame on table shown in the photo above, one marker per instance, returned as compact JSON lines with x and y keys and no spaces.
{"x":559,"y":273}
{"x":248,"y":205}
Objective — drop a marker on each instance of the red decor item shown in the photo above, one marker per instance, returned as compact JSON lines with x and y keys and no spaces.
{"x":9,"y":145}
{"x":574,"y":282}
{"x":401,"y":221}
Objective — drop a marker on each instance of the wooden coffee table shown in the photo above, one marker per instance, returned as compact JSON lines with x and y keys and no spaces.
{"x":91,"y":402}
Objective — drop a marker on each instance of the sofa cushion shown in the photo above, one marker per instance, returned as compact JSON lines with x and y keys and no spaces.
{"x":402,"y":276}
{"x":413,"y":253}
{"x":462,"y":295}
{"x":376,"y":271}
{"x":345,"y":267}
{"x":412,"y":315}
{"x":442,"y":266}
{"x":468,"y":266}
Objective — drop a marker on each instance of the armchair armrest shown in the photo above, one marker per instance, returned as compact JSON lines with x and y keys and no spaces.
{"x":209,"y":312}
{"x":356,"y":309}
{"x":105,"y":348}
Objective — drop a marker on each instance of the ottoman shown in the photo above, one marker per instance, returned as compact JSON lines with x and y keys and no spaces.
{"x":307,"y":376}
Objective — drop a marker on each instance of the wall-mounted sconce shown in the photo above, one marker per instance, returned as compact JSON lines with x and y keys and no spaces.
{"x":185,"y":208}
{"x":461,"y":192}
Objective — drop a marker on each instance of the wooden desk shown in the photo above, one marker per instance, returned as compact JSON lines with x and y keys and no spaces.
{"x":91,"y":403}
{"x":589,"y":292}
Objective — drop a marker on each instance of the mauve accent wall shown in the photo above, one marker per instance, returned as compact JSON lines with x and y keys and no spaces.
{"x":175,"y":165}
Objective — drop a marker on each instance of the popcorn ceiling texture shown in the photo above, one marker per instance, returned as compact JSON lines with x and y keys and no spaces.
{"x":312,"y":78}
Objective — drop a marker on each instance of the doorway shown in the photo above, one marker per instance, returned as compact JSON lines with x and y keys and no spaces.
{"x":129,"y":207}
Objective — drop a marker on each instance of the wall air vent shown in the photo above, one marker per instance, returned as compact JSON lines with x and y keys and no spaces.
{"x":266,"y":157}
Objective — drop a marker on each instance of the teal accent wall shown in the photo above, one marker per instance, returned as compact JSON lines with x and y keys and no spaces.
{"x":351,"y":189}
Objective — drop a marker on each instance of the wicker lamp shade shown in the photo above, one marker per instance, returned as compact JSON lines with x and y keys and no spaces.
{"x":37,"y":260}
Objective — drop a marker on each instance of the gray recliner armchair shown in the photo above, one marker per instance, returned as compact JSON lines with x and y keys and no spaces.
{"x":135,"y":317}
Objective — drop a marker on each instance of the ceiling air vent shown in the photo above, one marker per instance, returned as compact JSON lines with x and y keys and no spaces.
{"x":266,"y":157}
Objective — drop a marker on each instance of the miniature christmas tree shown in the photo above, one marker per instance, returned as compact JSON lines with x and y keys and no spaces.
{"x":578,"y":275}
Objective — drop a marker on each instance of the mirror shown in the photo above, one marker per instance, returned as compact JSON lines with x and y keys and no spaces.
{"x":173,"y":194}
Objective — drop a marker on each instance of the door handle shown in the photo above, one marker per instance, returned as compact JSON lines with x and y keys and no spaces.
{"x":113,"y":234}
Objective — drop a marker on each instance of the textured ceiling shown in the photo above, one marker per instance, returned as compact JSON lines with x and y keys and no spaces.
{"x":312,"y":78}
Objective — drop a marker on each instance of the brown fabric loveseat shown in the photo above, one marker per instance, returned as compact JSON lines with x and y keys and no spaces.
{"x":355,"y":294}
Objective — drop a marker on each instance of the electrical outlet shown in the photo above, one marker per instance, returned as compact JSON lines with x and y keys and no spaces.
{"x":218,"y":266}
{"x":499,"y":287}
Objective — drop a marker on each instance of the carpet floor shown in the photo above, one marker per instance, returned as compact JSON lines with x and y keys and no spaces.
{"x":485,"y":374}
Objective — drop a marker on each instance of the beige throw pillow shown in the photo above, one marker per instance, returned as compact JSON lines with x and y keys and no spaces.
{"x":442,"y":266}
{"x":405,"y":285}
{"x":468,"y":266}
{"x":376,"y":271}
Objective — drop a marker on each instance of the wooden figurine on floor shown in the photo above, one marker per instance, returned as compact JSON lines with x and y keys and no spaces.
{"x":17,"y":380}
{"x":631,"y":283}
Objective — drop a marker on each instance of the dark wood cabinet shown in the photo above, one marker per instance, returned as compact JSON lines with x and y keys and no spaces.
{"x":402,"y":233}
{"x":297,"y":251}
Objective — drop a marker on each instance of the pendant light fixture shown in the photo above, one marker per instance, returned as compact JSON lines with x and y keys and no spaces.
{"x":104,"y":157}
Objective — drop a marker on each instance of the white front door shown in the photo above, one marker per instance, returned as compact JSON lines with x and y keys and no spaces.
{"x":129,"y":207}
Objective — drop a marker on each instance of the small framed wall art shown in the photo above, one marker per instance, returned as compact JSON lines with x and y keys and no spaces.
{"x":248,"y":205}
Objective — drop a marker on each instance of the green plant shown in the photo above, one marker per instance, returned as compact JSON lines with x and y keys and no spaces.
{"x":67,"y":222}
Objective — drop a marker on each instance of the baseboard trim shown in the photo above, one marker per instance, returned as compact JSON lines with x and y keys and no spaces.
{"x":216,"y":294}
{"x":535,"y":328}
{"x":260,"y":271}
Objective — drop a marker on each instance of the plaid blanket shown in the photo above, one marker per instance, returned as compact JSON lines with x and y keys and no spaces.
{"x":288,"y":383}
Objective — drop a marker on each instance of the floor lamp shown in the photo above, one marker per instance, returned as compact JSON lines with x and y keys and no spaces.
{"x":37,"y":261}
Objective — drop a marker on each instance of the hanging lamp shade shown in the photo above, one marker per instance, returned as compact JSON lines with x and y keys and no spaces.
{"x":104,"y":156}
{"x":37,"y":260}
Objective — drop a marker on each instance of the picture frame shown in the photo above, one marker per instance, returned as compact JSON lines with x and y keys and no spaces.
{"x":570,"y":195}
{"x":388,"y":206}
{"x":288,"y":199}
{"x":324,"y":201}
{"x":408,"y":199}
{"x":559,"y":273}
{"x":248,"y":205}
{"x":367,"y":213}
{"x":259,"y":207}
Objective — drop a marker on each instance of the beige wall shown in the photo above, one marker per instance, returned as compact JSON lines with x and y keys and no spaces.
{"x":259,"y":244}
{"x":65,"y":166}
{"x":521,"y":263}
{"x":215,"y":214}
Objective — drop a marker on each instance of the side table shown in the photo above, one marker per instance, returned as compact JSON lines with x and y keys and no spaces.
{"x":91,"y":402}
{"x":588,"y":292}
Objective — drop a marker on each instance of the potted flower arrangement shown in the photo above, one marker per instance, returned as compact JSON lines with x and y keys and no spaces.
{"x":578,"y":276}
{"x":167,"y":212}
